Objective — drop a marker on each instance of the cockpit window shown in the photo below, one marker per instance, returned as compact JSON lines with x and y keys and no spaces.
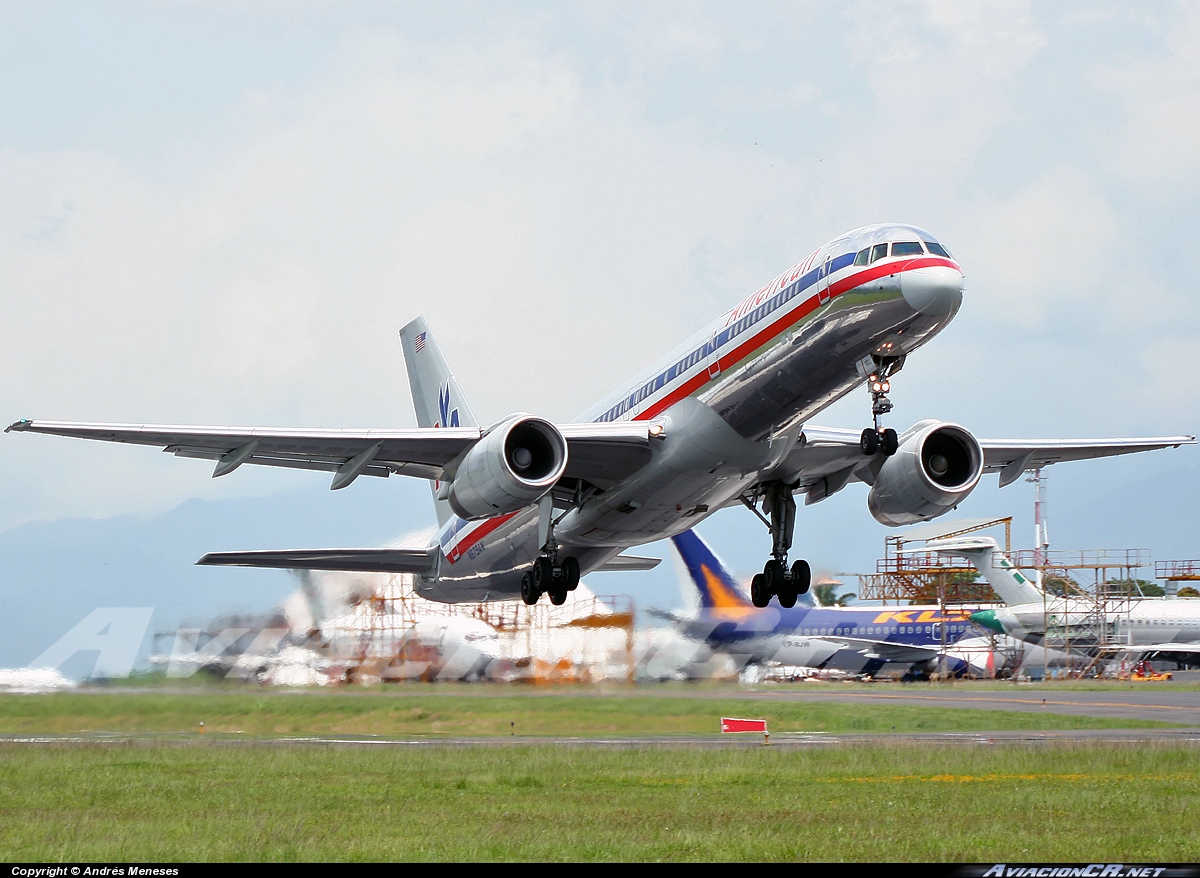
{"x":861,"y":258}
{"x":879,"y":251}
{"x":907,"y":248}
{"x":937,"y":249}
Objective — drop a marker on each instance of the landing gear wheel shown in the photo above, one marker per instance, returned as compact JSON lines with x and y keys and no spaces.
{"x":759,"y":596}
{"x":529,"y":592}
{"x":570,"y":572}
{"x":869,"y":441}
{"x":774,"y":575}
{"x":542,"y":574}
{"x":558,"y":596}
{"x":801,"y":577}
{"x":889,"y":442}
{"x":787,"y":598}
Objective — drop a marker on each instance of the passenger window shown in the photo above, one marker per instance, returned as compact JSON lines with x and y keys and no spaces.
{"x":879,"y":251}
{"x":907,"y":248}
{"x":861,"y":258}
{"x":937,"y":249}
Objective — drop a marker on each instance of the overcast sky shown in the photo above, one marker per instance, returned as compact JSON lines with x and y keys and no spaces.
{"x":221,"y":213}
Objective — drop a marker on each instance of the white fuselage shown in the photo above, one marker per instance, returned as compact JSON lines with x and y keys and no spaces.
{"x":1145,"y":622}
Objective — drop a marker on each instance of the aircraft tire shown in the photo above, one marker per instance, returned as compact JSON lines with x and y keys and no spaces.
{"x":759,"y":596}
{"x":787,"y":598}
{"x":868,"y":442}
{"x":558,"y":596}
{"x":889,"y":443}
{"x":570,"y":568}
{"x":543,"y":574}
{"x":529,"y":594}
{"x":773,"y":577}
{"x":801,"y":577}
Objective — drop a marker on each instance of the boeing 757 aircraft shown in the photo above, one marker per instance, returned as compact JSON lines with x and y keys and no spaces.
{"x":526,"y":506}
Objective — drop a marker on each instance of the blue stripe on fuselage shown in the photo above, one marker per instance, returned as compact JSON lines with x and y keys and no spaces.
{"x":825,"y":622}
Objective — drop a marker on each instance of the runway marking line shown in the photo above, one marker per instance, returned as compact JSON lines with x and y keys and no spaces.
{"x":1032,"y":702}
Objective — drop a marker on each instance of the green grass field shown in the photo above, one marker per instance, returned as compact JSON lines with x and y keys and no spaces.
{"x":177,"y":796}
{"x":470,"y":710}
{"x":263,"y":802}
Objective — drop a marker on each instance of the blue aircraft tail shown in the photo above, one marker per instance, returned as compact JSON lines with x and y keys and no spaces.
{"x":717,"y":588}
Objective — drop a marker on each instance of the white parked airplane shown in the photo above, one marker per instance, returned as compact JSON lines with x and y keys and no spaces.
{"x":1144,"y":628}
{"x":525,"y":506}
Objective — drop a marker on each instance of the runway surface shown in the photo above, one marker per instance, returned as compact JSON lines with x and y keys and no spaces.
{"x":1166,"y":704}
{"x":789,"y":740}
{"x":1163,"y":703}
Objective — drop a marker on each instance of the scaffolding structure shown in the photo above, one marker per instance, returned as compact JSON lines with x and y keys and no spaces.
{"x":1175,"y":572}
{"x":394,"y":634}
{"x":1087,"y":595}
{"x":903,"y":576}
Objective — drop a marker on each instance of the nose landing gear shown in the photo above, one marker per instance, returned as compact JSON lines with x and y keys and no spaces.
{"x":879,"y":440}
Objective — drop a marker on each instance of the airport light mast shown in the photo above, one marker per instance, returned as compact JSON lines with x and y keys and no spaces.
{"x":1041,"y":527}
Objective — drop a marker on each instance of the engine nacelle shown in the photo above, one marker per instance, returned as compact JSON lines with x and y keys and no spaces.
{"x":513,"y":465}
{"x":936,"y":466}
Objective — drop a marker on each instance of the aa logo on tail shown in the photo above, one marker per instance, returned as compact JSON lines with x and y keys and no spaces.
{"x":449,"y":417}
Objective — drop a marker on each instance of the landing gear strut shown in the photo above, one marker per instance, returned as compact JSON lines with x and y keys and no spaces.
{"x":777,"y":579}
{"x":878,"y":439}
{"x":549,"y":575}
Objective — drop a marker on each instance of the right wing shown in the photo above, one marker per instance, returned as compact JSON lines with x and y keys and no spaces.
{"x":601,"y":454}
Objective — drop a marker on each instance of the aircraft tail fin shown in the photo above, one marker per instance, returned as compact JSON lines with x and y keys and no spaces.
{"x":718,"y":589}
{"x":1008,"y":582}
{"x":436,"y":397}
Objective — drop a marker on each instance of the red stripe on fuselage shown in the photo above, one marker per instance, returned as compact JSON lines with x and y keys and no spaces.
{"x":476,"y":535}
{"x":762,"y":338}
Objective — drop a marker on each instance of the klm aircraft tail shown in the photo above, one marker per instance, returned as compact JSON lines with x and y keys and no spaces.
{"x":436,"y":398}
{"x":1008,"y":582}
{"x":717,"y":588}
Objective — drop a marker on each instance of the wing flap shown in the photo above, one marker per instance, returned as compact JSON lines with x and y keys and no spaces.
{"x":390,"y":560}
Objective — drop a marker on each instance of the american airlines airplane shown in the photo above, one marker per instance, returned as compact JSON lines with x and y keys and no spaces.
{"x":526,"y":506}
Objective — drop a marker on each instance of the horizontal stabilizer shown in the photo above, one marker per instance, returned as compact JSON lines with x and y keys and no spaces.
{"x":422,"y":560}
{"x":628,"y":562}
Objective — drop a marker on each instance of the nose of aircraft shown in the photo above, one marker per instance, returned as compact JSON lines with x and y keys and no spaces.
{"x":933,"y":290}
{"x":987,"y":618}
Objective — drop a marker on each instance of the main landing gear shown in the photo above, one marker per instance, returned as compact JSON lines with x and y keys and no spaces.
{"x":547,"y":577}
{"x":777,"y":579}
{"x":878,"y":440}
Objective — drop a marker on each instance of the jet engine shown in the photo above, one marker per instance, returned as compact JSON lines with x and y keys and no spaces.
{"x":514,"y":464}
{"x":936,"y":466}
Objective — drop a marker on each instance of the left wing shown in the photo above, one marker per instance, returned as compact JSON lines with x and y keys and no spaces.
{"x":598,"y":453}
{"x":889,"y":652}
{"x":830,"y":457}
{"x":394,"y":560}
{"x":1188,"y":652}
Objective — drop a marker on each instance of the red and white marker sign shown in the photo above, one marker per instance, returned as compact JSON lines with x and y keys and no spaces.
{"x":728,"y":724}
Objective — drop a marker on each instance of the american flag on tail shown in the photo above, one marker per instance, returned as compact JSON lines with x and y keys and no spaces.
{"x":419,"y":343}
